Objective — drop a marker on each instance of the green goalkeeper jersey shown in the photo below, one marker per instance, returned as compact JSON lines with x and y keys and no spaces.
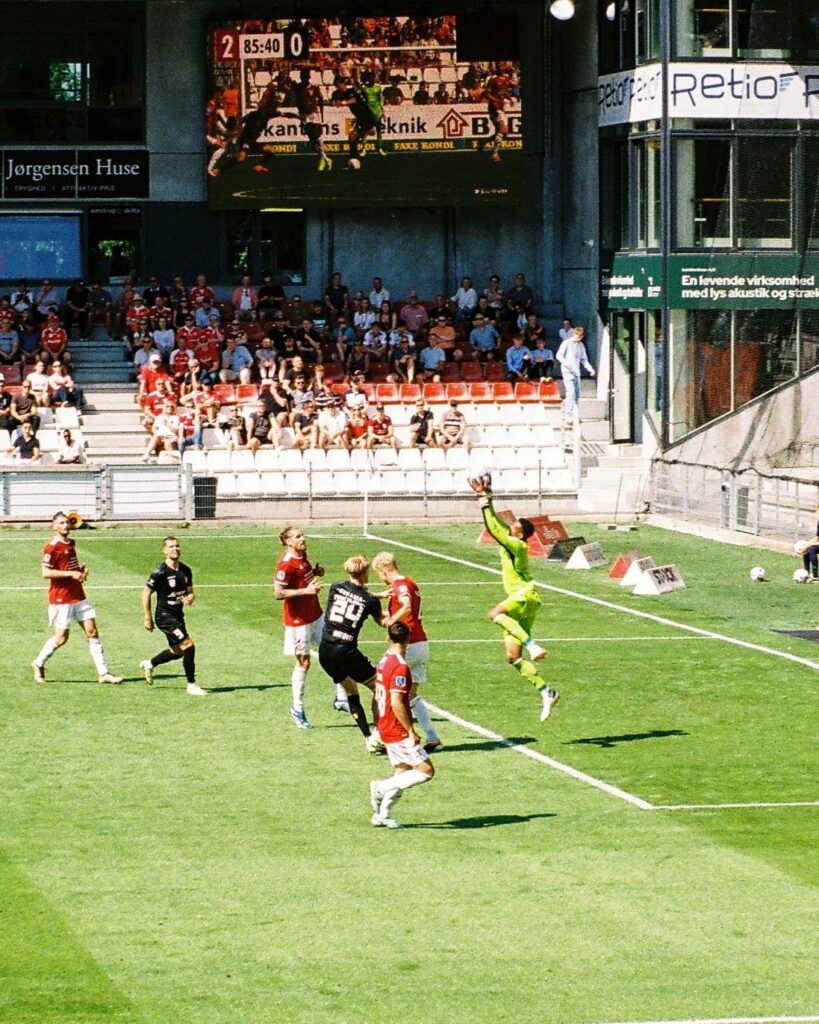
{"x":374,"y":98}
{"x":514,"y":552}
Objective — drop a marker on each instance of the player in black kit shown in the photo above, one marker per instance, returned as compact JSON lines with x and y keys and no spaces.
{"x":348,"y":606}
{"x":172,"y":582}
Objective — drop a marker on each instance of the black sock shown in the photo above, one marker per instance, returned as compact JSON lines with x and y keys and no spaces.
{"x":375,"y":713}
{"x":357,"y":711}
{"x":189,"y":663}
{"x":164,"y":657}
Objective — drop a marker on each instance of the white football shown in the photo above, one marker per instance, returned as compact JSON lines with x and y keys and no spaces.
{"x":799,"y":546}
{"x":758,"y":574}
{"x":354,"y":164}
{"x":800,"y":576}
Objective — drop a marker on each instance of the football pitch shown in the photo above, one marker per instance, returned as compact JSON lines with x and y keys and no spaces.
{"x":648,"y":854}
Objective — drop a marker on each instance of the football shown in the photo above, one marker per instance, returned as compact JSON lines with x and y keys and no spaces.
{"x":800,"y":576}
{"x":799,"y":546}
{"x":484,"y":476}
{"x":758,"y":574}
{"x":353,"y":164}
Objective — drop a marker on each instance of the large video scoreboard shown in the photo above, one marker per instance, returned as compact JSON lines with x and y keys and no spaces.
{"x":361,"y":112}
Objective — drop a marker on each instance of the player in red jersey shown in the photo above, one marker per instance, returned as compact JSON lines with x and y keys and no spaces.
{"x":297,"y":585}
{"x":498,"y":94}
{"x":405,"y":606}
{"x":393,"y":686}
{"x":67,"y":602}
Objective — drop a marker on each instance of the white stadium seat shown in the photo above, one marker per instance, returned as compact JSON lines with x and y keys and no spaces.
{"x":226,"y":485}
{"x":457,"y":459}
{"x":250,"y":484}
{"x":338,"y":459}
{"x":47,"y":439}
{"x":516,"y":480}
{"x":385,"y":458}
{"x":349,"y":483}
{"x":298,"y":482}
{"x":288,"y":460}
{"x":361,"y":460}
{"x":434,"y":458}
{"x":325,"y":482}
{"x":439,"y":481}
{"x":198,"y":461}
{"x":241,"y":461}
{"x":315,"y":458}
{"x":273,"y":483}
{"x":410,"y":458}
{"x":219,"y":461}
{"x":267,"y":459}
{"x":394,"y":482}
{"x":66,"y":416}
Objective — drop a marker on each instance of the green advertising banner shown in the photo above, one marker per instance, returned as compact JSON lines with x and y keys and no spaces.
{"x":712,"y":281}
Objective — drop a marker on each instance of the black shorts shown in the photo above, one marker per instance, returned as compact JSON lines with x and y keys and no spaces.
{"x":341,"y":661}
{"x":173,"y":626}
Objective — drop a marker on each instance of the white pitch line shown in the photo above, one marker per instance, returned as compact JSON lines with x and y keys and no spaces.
{"x":808,"y":1019}
{"x":608,"y":604}
{"x":535,"y":755}
{"x":723,"y":807}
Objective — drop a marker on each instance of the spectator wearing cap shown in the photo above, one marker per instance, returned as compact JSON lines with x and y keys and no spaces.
{"x":54,"y":341}
{"x":149,"y":375}
{"x":334,"y":425}
{"x":47,"y":300}
{"x":245,"y":299}
{"x":9,"y":344}
{"x":237,"y":362}
{"x":452,"y":428}
{"x":422,"y":426}
{"x":380,"y":432}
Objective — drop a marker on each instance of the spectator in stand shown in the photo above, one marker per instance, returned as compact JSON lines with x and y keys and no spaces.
{"x":194,"y":378}
{"x":22,"y":298}
{"x":485,"y":310}
{"x":69,"y":450}
{"x":150,"y":375}
{"x":7,"y":421}
{"x":25,"y":447}
{"x":271,"y":297}
{"x":444,"y":334}
{"x":299,"y":395}
{"x":180,"y":357}
{"x":30,"y":343}
{"x":184,"y":311}
{"x":402,"y":358}
{"x":355,"y":302}
{"x":9,"y":344}
{"x":153,"y":291}
{"x":245,"y":299}
{"x":164,"y":338}
{"x":187,"y":330}
{"x":234,"y":429}
{"x":431,"y":359}
{"x":190,"y":428}
{"x":358,"y":430}
{"x":386,"y":318}
{"x":262,"y":428}
{"x":336,"y":299}
{"x":136,"y":318}
{"x":334,"y":425}
{"x":308,"y":342}
{"x":466,"y":299}
{"x":153,"y":402}
{"x":203,"y":399}
{"x":209,"y":353}
{"x":522,"y":293}
{"x":204,"y":313}
{"x":375,"y":341}
{"x":158,"y":308}
{"x":358,"y":361}
{"x":47,"y":300}
{"x":164,"y":432}
{"x":78,"y":307}
{"x":378,"y":294}
{"x":543,"y":361}
{"x":493,"y":293}
{"x":38,"y":379}
{"x":415,"y":317}
{"x":305,"y":426}
{"x":440,"y":308}
{"x":484,"y":338}
{"x":452,"y":428}
{"x":290,"y":369}
{"x":422,"y":426}
{"x":343,"y":337}
{"x":533,"y":331}
{"x":320,"y":320}
{"x":123,"y":304}
{"x":101,"y":306}
{"x":143,"y":355}
{"x":566,"y":330}
{"x":202,"y":293}
{"x":24,"y":408}
{"x":518,"y":361}
{"x":356,"y":397}
{"x":380,"y":432}
{"x":237,"y":362}
{"x":572,"y":357}
{"x":363,"y":318}
{"x":61,"y":387}
{"x":7,"y":313}
{"x":276,"y":401}
{"x":177,"y":292}
{"x":266,"y":360}
{"x":296,"y":312}
{"x":54,"y":341}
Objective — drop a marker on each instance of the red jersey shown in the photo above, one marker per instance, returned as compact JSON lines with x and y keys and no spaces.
{"x":381,"y":427}
{"x":392,"y":676}
{"x":294,"y":573}
{"x":180,"y":360}
{"x":405,"y":587}
{"x":134,"y":314}
{"x":188,"y":336}
{"x":201,"y":292}
{"x":208,"y":355}
{"x":62,"y":555}
{"x":150,"y":377}
{"x":155,"y":400}
{"x":54,"y":339}
{"x":358,"y":429}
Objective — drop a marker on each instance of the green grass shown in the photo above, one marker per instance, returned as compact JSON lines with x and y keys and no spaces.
{"x":170,"y":859}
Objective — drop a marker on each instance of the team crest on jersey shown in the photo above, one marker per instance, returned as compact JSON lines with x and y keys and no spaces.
{"x":400,"y":682}
{"x":281,"y":574}
{"x":172,"y":581}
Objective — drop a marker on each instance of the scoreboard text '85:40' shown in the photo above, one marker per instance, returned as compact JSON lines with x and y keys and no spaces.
{"x":233,"y":47}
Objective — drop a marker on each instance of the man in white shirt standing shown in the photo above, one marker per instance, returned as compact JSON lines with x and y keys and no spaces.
{"x":572,"y":357}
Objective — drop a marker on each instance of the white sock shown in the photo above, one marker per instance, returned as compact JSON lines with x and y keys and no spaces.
{"x":422,"y":714}
{"x":97,"y":655}
{"x":393,"y":789}
{"x":298,"y":680}
{"x":341,"y":693}
{"x":534,"y":649}
{"x":49,"y":647}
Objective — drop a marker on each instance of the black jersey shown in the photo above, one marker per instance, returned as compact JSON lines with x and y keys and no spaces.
{"x":348,"y":605}
{"x":170,"y":586}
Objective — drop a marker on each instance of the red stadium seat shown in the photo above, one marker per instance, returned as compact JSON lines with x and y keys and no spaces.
{"x":227,"y":310}
{"x":333,"y":371}
{"x":12,"y":374}
{"x":254,"y":331}
{"x":449,"y":372}
{"x":502,"y":391}
{"x":434,"y":392}
{"x":410,"y":392}
{"x":480,"y":391}
{"x":369,"y":391}
{"x":496,"y":371}
{"x":549,"y":391}
{"x":379,"y":372}
{"x":457,"y":389}
{"x":339,"y":388}
{"x":224,"y":393}
{"x":246,"y":393}
{"x":472,"y":371}
{"x":525,"y":391}
{"x":386,"y":392}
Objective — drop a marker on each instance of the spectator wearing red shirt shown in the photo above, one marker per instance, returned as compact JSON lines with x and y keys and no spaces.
{"x":379,"y":430}
{"x":245,"y":298}
{"x":202,"y":291}
{"x":54,"y":340}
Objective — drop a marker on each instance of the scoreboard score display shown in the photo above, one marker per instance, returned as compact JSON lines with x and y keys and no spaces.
{"x":361,"y":112}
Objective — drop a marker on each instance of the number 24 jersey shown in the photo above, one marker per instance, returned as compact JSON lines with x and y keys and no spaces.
{"x":348,"y":605}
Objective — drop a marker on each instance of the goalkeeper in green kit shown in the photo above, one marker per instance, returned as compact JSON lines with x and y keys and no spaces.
{"x":366,"y":104}
{"x":516,"y":615}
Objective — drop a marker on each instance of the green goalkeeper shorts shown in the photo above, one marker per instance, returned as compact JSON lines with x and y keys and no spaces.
{"x":523,"y":606}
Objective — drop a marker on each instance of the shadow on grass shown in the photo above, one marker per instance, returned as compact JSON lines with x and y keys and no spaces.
{"x":488,"y":821}
{"x":628,"y":737}
{"x":519,"y":741}
{"x":249,"y":686}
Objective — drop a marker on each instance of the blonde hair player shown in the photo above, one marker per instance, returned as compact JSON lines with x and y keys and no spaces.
{"x":405,"y":606}
{"x":67,"y":602}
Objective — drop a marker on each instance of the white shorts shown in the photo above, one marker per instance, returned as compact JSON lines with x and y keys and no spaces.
{"x":405,"y":752}
{"x":417,"y":657}
{"x":60,"y":616}
{"x":299,"y":639}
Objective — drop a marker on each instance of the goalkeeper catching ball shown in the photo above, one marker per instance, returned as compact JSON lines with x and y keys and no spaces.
{"x":516,"y":614}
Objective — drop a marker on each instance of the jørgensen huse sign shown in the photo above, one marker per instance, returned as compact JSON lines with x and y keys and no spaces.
{"x":74,"y":174}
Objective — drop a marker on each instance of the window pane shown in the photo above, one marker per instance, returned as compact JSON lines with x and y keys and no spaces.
{"x":809,"y":340}
{"x":809,"y":29}
{"x":703,"y":193}
{"x":282,"y":246}
{"x":764,"y":28}
{"x":810,"y":176}
{"x":40,"y":246}
{"x":764,"y":193}
{"x":647,"y":29}
{"x":648,"y":197}
{"x":239,"y":243}
{"x":613,"y":195}
{"x":710,"y":28}
{"x":710,"y":331}
{"x":766,"y":351}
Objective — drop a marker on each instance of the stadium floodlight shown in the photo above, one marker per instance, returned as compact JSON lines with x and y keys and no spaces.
{"x":563,"y":10}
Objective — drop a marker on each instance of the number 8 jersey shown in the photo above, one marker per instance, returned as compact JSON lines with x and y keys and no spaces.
{"x":348,"y":605}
